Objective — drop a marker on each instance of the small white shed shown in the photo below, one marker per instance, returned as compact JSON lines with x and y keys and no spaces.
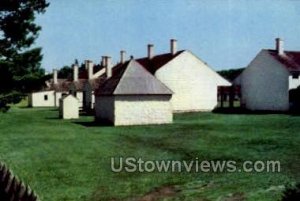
{"x":132,"y":96}
{"x":69,"y":107}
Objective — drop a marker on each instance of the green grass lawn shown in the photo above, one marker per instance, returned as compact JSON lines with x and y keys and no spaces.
{"x":70,"y":159}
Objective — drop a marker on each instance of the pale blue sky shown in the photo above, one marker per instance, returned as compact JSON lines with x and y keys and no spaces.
{"x":224,"y":33}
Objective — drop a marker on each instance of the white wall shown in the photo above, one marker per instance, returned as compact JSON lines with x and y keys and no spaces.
{"x":138,"y":110}
{"x":70,"y":108}
{"x":93,"y":99}
{"x":237,"y":80}
{"x":134,"y":110}
{"x":294,"y":83}
{"x":37,"y":99}
{"x":194,"y":84}
{"x":264,"y":84}
{"x":58,"y":96}
{"x":79,"y":96}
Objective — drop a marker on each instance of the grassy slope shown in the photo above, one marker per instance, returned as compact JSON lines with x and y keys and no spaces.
{"x":65,"y":160}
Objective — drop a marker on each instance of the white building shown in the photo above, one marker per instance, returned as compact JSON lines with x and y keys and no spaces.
{"x":56,"y":88}
{"x":194,"y":83}
{"x":267,"y":82}
{"x":132,"y":96}
{"x":50,"y":95}
{"x":69,"y":107}
{"x":44,"y":98}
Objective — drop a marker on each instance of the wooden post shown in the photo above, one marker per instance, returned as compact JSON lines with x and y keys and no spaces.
{"x":222,"y":97}
{"x":231,"y":96}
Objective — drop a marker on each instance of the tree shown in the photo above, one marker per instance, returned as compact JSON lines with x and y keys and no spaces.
{"x":76,"y":62}
{"x":65,"y":72}
{"x":20,"y":65}
{"x":231,"y":74}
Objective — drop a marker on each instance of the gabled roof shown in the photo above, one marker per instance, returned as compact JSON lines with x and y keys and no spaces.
{"x":152,"y":65}
{"x":131,"y":78}
{"x":290,"y":59}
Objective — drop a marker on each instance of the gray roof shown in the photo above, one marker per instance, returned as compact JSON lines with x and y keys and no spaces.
{"x":132,"y":79}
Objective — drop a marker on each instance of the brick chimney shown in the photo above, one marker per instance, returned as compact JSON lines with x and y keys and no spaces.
{"x":108,"y":67}
{"x":173,"y":46}
{"x":150,"y":51}
{"x":89,"y":66}
{"x":122,"y":56}
{"x":279,"y":46}
{"x":75,"y":72}
{"x":55,"y":76}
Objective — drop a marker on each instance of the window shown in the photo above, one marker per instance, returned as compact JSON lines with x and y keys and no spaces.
{"x":295,"y":75}
{"x":45,"y":97}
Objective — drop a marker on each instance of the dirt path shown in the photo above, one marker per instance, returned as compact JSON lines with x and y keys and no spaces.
{"x":159,"y":193}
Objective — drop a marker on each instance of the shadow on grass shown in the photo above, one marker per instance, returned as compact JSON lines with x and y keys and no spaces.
{"x":292,"y":193}
{"x":86,"y":113}
{"x":250,"y":112}
{"x":53,"y":118}
{"x":37,"y":108}
{"x":23,"y":107}
{"x":94,"y":123}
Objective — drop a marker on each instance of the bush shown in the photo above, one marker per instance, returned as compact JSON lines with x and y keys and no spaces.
{"x":5,"y":99}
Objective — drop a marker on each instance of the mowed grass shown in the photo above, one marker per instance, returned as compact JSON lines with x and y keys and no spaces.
{"x":70,"y":159}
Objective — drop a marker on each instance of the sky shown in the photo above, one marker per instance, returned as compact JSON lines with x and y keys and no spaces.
{"x":224,"y":33}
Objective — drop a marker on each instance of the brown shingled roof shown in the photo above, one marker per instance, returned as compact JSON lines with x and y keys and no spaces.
{"x":61,"y":86}
{"x":95,"y":83}
{"x":78,"y":84}
{"x":290,"y":59}
{"x":152,"y":65}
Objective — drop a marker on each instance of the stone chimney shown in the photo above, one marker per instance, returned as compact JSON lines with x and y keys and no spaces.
{"x":173,"y":46}
{"x":75,"y":72}
{"x":150,"y":51}
{"x":103,"y":61}
{"x":279,"y":46}
{"x":86,"y":64}
{"x":108,"y":67}
{"x":122,"y":56}
{"x":55,"y":76}
{"x":90,"y":67}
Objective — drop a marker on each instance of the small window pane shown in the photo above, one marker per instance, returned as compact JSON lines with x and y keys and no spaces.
{"x":295,"y":76}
